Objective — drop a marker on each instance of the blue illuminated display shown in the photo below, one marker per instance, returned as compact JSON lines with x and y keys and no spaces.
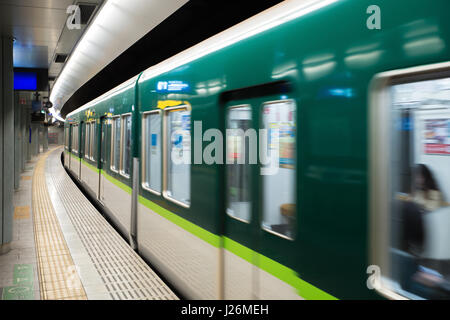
{"x":328,"y":92}
{"x":341,"y":92}
{"x":25,"y":81}
{"x":172,"y":86}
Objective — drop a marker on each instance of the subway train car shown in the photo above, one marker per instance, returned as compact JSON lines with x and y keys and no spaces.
{"x":346,"y":101}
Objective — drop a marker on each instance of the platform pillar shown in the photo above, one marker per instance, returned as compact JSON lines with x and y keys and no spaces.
{"x":6,"y":143}
{"x":17,"y":142}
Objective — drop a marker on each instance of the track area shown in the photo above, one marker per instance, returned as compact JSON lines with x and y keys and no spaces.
{"x":80,"y":256}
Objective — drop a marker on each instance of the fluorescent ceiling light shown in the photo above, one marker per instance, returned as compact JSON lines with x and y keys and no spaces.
{"x":117,"y":26}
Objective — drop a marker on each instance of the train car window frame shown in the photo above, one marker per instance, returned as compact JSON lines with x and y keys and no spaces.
{"x":122,"y":141}
{"x":295,"y":168}
{"x":228,"y":109}
{"x":165,"y":155}
{"x":113,"y":144}
{"x":381,"y":169}
{"x":145,"y":183}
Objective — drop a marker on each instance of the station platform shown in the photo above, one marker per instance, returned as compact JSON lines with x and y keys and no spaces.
{"x":64,"y":249}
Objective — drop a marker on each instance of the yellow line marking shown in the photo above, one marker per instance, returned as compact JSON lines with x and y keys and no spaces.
{"x":21,"y":212}
{"x":58,"y":277}
{"x":26,"y":177}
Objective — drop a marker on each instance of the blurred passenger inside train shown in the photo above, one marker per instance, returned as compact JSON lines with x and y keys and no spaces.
{"x":426,"y":198}
{"x":424,"y":273}
{"x":427,"y":193}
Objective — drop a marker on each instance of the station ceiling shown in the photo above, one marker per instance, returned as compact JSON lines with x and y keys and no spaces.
{"x":194,"y":22}
{"x":136,"y":35}
{"x":43,"y":37}
{"x":36,"y":25}
{"x":40,"y":32}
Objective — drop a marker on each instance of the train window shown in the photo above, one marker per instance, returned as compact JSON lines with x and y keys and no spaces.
{"x":178,"y":155}
{"x":152,"y":151}
{"x":238,"y":169}
{"x":115,"y":148}
{"x":87,"y":139}
{"x":278,"y":171}
{"x":126,"y":146}
{"x":92,"y":139}
{"x":66,"y":137}
{"x":411,"y":188}
{"x":75,"y":139}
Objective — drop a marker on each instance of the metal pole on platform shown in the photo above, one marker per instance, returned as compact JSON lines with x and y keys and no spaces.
{"x":41,"y":139}
{"x":34,"y":139}
{"x":45,"y":138}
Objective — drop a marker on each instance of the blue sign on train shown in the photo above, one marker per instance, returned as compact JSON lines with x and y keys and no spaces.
{"x":154,"y":139}
{"x":172,"y":86}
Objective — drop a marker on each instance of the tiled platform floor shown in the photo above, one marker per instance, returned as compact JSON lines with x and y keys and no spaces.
{"x":22,"y":256}
{"x":29,"y":270}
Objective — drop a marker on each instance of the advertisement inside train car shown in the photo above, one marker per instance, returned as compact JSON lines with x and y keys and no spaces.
{"x":437,"y":136}
{"x":281,"y":131}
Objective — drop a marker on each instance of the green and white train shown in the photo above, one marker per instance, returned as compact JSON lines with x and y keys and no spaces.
{"x":359,"y":92}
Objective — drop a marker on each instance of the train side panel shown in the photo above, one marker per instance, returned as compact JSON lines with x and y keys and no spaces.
{"x":329,"y":71}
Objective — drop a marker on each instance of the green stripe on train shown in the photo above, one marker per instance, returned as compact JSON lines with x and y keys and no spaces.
{"x":74,"y":156}
{"x":285,"y":274}
{"x":304,"y":289}
{"x":90,"y":166}
{"x":118,"y":183}
{"x":203,"y":234}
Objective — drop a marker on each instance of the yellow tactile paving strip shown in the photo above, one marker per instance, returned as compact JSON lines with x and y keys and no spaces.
{"x":58,"y":278}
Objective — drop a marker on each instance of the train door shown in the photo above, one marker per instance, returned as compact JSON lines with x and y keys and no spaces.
{"x":103,"y":156}
{"x":240,"y":219}
{"x":277,"y":177}
{"x":260,"y":198}
{"x":410,"y":182}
